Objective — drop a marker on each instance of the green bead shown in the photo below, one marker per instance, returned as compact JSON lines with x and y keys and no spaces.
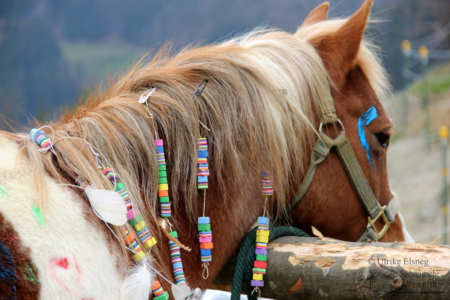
{"x":204,"y":227}
{"x":138,"y":218}
{"x":261,"y":257}
{"x":119,"y":186}
{"x":132,"y":222}
{"x":164,"y":200}
{"x":174,"y":234}
{"x":164,"y":296}
{"x":162,"y":180}
{"x":135,"y":220}
{"x":162,"y":173}
{"x":162,"y":167}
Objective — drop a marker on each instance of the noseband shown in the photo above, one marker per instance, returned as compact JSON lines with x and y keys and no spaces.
{"x":356,"y":176}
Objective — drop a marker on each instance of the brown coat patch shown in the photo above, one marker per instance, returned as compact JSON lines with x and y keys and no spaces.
{"x":25,"y":284}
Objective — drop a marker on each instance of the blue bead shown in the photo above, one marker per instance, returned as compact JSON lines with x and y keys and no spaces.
{"x":34,"y":133}
{"x":202,"y":179}
{"x":160,"y":149}
{"x":205,"y":252}
{"x":177,"y":265}
{"x":203,"y":153}
{"x":263,"y":220}
{"x":203,"y":220}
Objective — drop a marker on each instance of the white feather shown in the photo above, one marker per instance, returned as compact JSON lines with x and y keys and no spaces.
{"x":180,"y":292}
{"x":137,"y":285}
{"x":107,"y":205}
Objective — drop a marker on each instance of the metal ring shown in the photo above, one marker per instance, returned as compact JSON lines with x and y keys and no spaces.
{"x":339,"y":121}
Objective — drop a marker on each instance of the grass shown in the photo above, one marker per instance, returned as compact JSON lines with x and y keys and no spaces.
{"x":438,"y":80}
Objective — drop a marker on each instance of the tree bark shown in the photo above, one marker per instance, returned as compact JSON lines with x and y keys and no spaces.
{"x":313,"y":268}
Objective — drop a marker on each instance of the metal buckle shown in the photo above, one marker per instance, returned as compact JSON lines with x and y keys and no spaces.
{"x":386,"y":223}
{"x":340,"y":123}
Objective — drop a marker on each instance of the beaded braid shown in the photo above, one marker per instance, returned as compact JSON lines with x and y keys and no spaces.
{"x":158,"y":291}
{"x":175,"y":257}
{"x":204,"y":226}
{"x":134,"y":218}
{"x":262,"y":237}
{"x":163,"y":185}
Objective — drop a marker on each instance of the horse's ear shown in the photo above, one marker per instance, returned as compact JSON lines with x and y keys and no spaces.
{"x":320,"y":13}
{"x":341,"y":48}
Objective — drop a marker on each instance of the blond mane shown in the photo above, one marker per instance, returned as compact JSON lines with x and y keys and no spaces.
{"x":262,"y":99}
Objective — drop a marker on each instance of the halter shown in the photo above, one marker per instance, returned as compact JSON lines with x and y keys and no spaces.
{"x":356,"y":176}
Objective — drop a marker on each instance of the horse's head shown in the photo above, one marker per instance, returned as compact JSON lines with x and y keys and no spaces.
{"x":358,"y":85}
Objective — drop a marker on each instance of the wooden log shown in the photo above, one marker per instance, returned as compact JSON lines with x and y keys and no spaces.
{"x":313,"y":268}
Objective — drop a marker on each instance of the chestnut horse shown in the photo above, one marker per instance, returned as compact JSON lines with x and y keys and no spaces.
{"x":262,"y":107}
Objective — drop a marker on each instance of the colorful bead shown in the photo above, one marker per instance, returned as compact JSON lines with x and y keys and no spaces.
{"x":39,"y":137}
{"x":202,"y":144}
{"x":264,"y":233}
{"x":165,"y":210}
{"x":163,"y":184}
{"x":205,"y":238}
{"x":263,"y":221}
{"x":267,"y":184}
{"x":259,"y":271}
{"x":81,"y":182}
{"x":204,"y":227}
{"x":260,"y":264}
{"x":175,"y":257}
{"x":141,"y":229}
{"x":261,"y":251}
{"x":206,"y":245}
{"x":130,"y":215}
{"x":205,"y":233}
{"x":262,"y":239}
{"x":263,"y":227}
{"x":110,"y":175}
{"x":257,"y":276}
{"x":164,"y":199}
{"x":129,"y":240}
{"x":257,"y":283}
{"x":202,"y":161}
{"x":158,"y":291}
{"x":203,"y":220}
{"x":260,"y":257}
{"x":122,"y":191}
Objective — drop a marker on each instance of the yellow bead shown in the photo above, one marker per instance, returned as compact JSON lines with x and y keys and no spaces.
{"x":139,"y":256}
{"x":138,"y":226}
{"x":150,"y":243}
{"x":142,"y":224}
{"x":262,"y":232}
{"x":163,"y":187}
{"x":262,"y":239}
{"x":257,"y":276}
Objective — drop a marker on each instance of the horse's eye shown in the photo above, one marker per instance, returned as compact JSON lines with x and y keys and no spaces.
{"x":383,"y":138}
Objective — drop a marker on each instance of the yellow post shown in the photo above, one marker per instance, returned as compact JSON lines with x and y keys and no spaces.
{"x":423,"y":53}
{"x":443,"y":134}
{"x":406,"y":78}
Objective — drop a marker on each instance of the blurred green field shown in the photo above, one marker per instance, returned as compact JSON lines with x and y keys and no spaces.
{"x":95,"y":63}
{"x":438,"y":81}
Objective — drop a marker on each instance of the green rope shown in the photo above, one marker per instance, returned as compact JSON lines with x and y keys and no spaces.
{"x":244,"y":264}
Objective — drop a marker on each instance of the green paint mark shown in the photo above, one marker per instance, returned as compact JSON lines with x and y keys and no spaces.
{"x":37,"y":212}
{"x":32,"y":276}
{"x":2,"y":192}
